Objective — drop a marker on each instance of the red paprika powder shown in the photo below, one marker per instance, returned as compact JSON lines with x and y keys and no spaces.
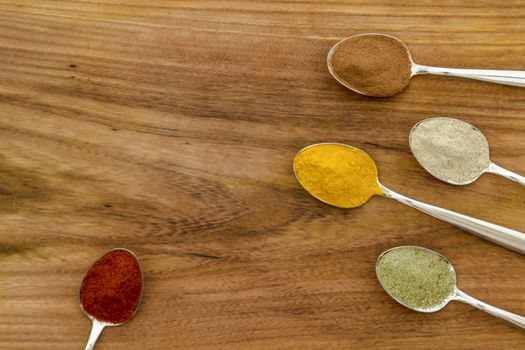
{"x":112,"y":287}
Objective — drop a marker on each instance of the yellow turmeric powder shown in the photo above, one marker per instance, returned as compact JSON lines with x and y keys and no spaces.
{"x":340,"y":175}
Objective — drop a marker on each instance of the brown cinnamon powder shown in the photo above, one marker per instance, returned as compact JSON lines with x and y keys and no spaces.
{"x":372,"y":64}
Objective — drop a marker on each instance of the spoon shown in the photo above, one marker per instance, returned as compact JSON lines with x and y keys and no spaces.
{"x":454,"y":292}
{"x":97,"y":324}
{"x":440,"y":144}
{"x":505,"y":77}
{"x":346,"y":163}
{"x":96,"y":330}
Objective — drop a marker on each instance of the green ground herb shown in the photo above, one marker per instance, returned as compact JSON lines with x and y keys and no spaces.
{"x":416,"y":277}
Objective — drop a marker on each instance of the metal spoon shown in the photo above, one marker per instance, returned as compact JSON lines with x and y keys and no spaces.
{"x":97,"y":325}
{"x":472,"y":162}
{"x":505,"y":77}
{"x":456,"y":294}
{"x":96,"y":330}
{"x":503,"y":236}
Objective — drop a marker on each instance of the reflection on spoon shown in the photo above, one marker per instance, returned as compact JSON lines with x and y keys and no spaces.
{"x":381,"y":65}
{"x":454,"y":151}
{"x":346,"y":177}
{"x":111,"y":291}
{"x":425,"y":281}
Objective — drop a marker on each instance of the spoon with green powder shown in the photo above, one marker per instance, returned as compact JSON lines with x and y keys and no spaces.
{"x":454,"y":151}
{"x":381,"y":65}
{"x":346,"y":177}
{"x":425,"y":281}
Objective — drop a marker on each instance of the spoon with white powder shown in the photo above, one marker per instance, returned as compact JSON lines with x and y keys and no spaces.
{"x":454,"y":151}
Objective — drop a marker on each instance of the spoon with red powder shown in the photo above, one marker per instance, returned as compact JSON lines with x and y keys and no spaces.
{"x":111,"y":291}
{"x":381,"y":65}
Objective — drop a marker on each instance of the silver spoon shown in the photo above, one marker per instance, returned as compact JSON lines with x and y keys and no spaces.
{"x":455,"y":293}
{"x":96,"y":329}
{"x":503,"y":236}
{"x":431,"y":144}
{"x":505,"y":77}
{"x":97,"y":325}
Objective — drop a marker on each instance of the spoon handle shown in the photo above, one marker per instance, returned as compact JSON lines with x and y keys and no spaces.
{"x":513,"y":318}
{"x":96,"y":329}
{"x":506,"y":237}
{"x":496,"y":169}
{"x":505,"y":77}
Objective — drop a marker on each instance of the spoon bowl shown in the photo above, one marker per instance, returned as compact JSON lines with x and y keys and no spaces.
{"x":325,"y":186}
{"x":381,"y":63}
{"x":438,"y":305}
{"x":437,"y":278}
{"x":377,"y":60}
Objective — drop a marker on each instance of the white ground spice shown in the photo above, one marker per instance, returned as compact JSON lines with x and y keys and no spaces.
{"x":450,"y":149}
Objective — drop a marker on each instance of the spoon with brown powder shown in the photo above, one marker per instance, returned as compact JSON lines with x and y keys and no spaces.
{"x":454,"y":151}
{"x":381,"y":65}
{"x":425,"y":281}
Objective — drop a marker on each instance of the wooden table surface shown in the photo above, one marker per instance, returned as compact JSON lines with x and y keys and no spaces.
{"x":169,"y":128}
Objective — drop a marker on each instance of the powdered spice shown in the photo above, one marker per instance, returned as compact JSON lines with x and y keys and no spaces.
{"x":372,"y":64}
{"x":450,"y":149}
{"x":417,"y":277}
{"x":112,"y":288}
{"x":337,"y":174}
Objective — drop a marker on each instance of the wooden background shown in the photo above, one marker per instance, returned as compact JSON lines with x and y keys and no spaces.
{"x":169,"y":128}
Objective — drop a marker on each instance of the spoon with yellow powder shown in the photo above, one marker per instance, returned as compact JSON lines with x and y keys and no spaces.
{"x":425,"y":281}
{"x":346,"y":177}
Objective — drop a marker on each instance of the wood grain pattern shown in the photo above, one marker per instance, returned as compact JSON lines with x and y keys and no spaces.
{"x":169,"y":128}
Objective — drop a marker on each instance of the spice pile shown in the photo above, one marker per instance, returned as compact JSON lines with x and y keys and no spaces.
{"x":372,"y":64}
{"x":337,"y":174}
{"x":112,"y":288}
{"x":416,"y":277}
{"x":450,"y":149}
